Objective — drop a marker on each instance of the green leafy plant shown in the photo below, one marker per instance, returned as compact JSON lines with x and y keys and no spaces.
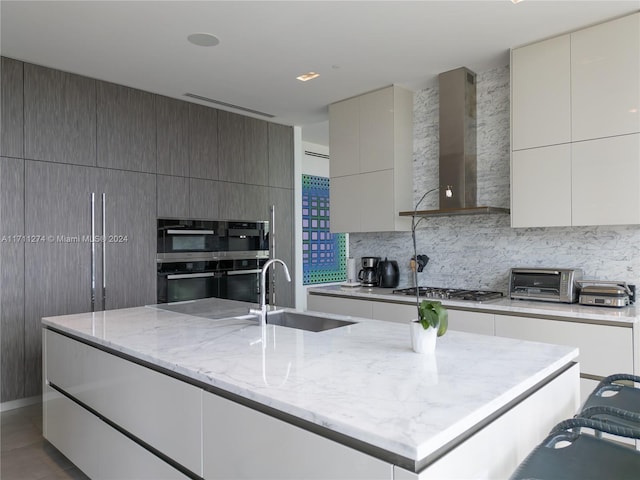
{"x":433,"y":314}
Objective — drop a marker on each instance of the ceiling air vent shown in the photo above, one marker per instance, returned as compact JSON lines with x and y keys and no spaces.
{"x":228,"y":105}
{"x":315,"y":154}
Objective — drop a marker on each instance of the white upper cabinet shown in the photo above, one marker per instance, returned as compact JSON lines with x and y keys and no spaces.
{"x":371,"y":150}
{"x":582,"y":91}
{"x":344,"y":137}
{"x":543,"y":180}
{"x":606,"y":181}
{"x":605,"y":79}
{"x":377,"y":136}
{"x":541,"y":84}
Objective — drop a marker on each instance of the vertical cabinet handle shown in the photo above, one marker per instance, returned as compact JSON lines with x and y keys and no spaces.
{"x":272,"y":253}
{"x":104,"y":252}
{"x":93,"y":252}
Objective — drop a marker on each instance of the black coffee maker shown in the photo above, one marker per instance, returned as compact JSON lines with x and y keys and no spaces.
{"x":389,"y":273}
{"x":368,"y":275}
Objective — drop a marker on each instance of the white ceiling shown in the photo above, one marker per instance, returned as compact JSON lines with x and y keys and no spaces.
{"x":356,"y":46}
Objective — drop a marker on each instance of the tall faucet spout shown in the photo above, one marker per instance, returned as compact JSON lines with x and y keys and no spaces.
{"x":263,"y":286}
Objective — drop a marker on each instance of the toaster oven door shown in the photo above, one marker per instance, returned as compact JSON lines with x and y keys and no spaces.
{"x":536,"y":285}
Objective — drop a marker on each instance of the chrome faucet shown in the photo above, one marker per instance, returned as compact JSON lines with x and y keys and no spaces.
{"x":262,"y":311}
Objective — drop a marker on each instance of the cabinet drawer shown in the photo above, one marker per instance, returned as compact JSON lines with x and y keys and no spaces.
{"x":340,"y":306}
{"x":604,"y":349}
{"x":160,"y":410}
{"x":94,"y":447}
{"x":394,"y":312}
{"x":272,"y":448}
{"x":472,"y":322}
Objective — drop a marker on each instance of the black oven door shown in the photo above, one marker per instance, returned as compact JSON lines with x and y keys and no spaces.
{"x":242,"y":280}
{"x":181,"y":237}
{"x":182,"y":281}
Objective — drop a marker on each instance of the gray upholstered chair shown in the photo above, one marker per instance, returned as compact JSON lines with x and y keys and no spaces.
{"x":615,"y":391}
{"x":569,"y":453}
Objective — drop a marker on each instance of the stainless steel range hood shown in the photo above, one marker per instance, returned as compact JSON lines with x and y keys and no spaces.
{"x":458,"y":146}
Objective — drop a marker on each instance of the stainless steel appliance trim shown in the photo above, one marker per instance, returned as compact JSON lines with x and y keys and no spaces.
{"x":243,"y":272}
{"x":93,"y":252}
{"x":206,"y":256}
{"x":272,"y":252}
{"x":536,"y":270}
{"x":179,"y":276}
{"x":104,"y":251}
{"x":173,"y":231}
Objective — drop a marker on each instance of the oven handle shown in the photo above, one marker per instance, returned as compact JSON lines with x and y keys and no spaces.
{"x":243,"y":272}
{"x":545,"y":272}
{"x":179,"y":276}
{"x":189,"y":232}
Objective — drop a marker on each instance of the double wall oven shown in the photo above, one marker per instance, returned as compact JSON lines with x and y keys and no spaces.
{"x":207,"y":258}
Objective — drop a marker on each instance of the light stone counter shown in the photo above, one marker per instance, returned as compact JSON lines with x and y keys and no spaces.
{"x":504,"y":306}
{"x":362,"y":381}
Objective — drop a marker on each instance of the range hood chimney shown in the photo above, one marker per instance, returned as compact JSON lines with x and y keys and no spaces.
{"x":458,"y":146}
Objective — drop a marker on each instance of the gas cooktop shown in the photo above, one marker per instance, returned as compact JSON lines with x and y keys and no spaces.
{"x":451,"y":293}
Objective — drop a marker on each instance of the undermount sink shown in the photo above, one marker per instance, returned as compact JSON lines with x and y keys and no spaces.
{"x":304,"y":321}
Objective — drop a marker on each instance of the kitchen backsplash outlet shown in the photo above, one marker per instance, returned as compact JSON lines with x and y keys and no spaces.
{"x":478,"y":251}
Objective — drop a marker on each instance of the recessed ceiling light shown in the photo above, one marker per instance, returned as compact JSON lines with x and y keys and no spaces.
{"x":516,"y":1}
{"x":305,"y":77}
{"x":203,"y":39}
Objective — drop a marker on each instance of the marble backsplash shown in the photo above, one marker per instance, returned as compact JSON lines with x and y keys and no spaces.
{"x":477,"y":251}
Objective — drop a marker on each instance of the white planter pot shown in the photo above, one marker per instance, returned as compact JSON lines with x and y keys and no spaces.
{"x":423,"y":341}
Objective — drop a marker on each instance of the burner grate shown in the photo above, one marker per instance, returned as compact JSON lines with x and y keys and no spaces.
{"x":451,"y":293}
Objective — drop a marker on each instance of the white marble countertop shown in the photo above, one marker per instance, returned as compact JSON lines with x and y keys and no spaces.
{"x":363,"y":380}
{"x":505,"y":306}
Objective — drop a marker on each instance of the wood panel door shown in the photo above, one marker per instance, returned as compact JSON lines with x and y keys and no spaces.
{"x":59,"y":116}
{"x":231,"y":153}
{"x":174,"y":136}
{"x":12,"y":278}
{"x":12,"y":116}
{"x":58,"y":265}
{"x":280,"y":156}
{"x":203,"y":124}
{"x":126,"y":128}
{"x":129,"y":241}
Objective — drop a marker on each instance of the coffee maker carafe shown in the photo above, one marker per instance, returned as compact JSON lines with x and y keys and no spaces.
{"x":368,"y":276}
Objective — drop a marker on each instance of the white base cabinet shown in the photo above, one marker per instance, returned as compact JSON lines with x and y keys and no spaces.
{"x":521,"y":428}
{"x":604,"y":349}
{"x":460,"y":320}
{"x":100,"y":451}
{"x":162,"y":411}
{"x":242,"y":443}
{"x":340,"y":306}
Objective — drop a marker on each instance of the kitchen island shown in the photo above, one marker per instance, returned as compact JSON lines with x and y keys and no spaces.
{"x":201,"y":390}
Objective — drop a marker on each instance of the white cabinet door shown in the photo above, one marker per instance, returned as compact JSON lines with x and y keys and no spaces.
{"x":377,"y":130}
{"x":472,"y":322}
{"x":340,"y":306}
{"x":394,"y":312}
{"x":371,"y":143}
{"x":377,"y":205}
{"x":604,"y":349}
{"x":242,"y":443}
{"x":541,"y":187}
{"x":605,"y":79}
{"x":540,"y":94}
{"x":100,"y":451}
{"x":344,"y":127}
{"x":344,"y":195}
{"x":162,"y":411}
{"x":606,"y":181}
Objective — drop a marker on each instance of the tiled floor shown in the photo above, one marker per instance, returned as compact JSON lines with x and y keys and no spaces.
{"x":26,"y":455}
